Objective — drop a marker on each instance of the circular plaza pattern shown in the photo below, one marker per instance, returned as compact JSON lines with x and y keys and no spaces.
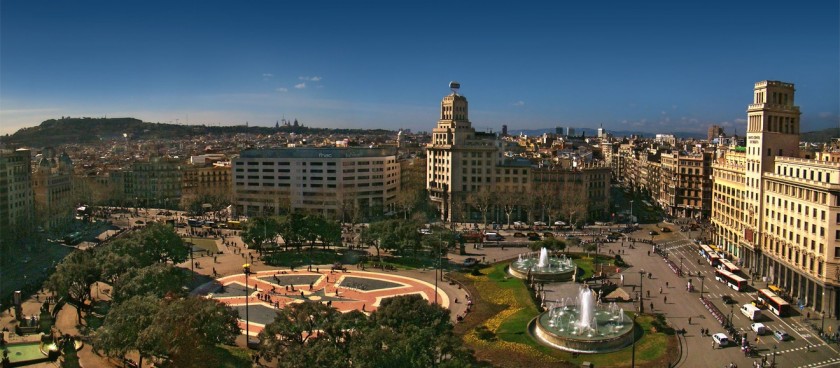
{"x":271,"y":290}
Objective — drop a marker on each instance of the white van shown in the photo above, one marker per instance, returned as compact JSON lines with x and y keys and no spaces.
{"x":493,"y":236}
{"x":751,"y":311}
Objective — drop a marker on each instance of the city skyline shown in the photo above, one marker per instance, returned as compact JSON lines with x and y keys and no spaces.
{"x":657,"y":67}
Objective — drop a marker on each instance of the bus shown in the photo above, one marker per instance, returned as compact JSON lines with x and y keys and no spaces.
{"x":734,"y":281}
{"x":73,"y":238}
{"x":711,"y":256}
{"x":194,"y":222}
{"x":774,"y":302}
{"x":234,"y":225}
{"x":728,"y":266}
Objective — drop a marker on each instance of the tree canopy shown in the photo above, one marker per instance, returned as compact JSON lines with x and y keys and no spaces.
{"x":406,"y":331}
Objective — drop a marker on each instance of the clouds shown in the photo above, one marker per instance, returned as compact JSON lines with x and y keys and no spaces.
{"x":310,"y":79}
{"x":519,"y":103}
{"x":300,"y":85}
{"x":281,"y":89}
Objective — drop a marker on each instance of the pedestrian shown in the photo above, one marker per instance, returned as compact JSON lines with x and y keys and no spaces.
{"x":666,"y":284}
{"x":651,"y":305}
{"x":660,"y":290}
{"x":665,"y":299}
{"x":713,"y":345}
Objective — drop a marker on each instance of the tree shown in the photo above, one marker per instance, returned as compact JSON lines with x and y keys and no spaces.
{"x":300,"y":332}
{"x":120,"y":332}
{"x":259,"y":230}
{"x":116,"y":257}
{"x":510,"y":201}
{"x":158,"y":280}
{"x":74,"y":277}
{"x":185,"y":330}
{"x":549,"y":243}
{"x":482,"y":200}
{"x":405,"y":331}
{"x":160,"y":244}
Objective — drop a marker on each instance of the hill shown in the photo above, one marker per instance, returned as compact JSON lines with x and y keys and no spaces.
{"x":820,"y":136}
{"x":56,"y":132}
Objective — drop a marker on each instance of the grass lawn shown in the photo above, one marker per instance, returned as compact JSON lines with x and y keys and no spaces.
{"x":232,"y":357}
{"x":497,"y":329}
{"x":203,"y":244}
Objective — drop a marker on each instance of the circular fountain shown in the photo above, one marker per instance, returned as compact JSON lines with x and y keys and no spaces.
{"x":583,"y":327}
{"x":541,"y":267}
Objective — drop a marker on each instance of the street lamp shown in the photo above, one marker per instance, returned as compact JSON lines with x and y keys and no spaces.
{"x":246,"y":268}
{"x":702,"y":278}
{"x":774,"y":356}
{"x":633,"y":354}
{"x":631,"y":212}
{"x":641,"y":291}
{"x":681,"y":262}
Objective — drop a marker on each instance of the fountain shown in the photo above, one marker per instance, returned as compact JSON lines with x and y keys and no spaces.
{"x":583,"y":327}
{"x":541,"y":267}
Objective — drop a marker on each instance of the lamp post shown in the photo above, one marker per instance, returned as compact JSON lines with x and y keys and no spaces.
{"x":641,"y":291}
{"x":246,"y":268}
{"x":633,"y":354}
{"x":774,"y":356}
{"x":702,"y":278}
{"x":631,"y":212}
{"x":681,"y":262}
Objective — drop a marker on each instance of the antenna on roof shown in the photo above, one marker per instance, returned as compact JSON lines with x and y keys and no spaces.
{"x":454,"y":86}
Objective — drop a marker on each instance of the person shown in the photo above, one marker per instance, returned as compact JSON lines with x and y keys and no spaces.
{"x":660,"y":290}
{"x":689,"y":320}
{"x":666,"y":284}
{"x":665,"y":299}
{"x":651,"y":305}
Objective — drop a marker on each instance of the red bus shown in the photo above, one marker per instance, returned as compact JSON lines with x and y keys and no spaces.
{"x":711,"y":256}
{"x":774,"y":302}
{"x":728,"y":266}
{"x":734,"y":281}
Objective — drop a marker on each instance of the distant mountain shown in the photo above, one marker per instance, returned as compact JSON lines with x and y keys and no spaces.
{"x":819,"y":136}
{"x":56,"y":132}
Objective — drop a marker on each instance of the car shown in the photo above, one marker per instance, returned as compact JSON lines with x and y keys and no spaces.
{"x":653,"y":233}
{"x":759,"y":328}
{"x":781,"y":335}
{"x":539,"y":223}
{"x":469,"y":262}
{"x":727,"y":299}
{"x":519,"y":224}
{"x":721,"y":339}
{"x":559,"y":223}
{"x":425,"y":231}
{"x":548,"y":234}
{"x":665,"y":230}
{"x":518,"y":235}
{"x":571,"y":237}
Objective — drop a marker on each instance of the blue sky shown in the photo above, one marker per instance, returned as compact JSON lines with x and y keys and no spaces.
{"x":652,"y":67}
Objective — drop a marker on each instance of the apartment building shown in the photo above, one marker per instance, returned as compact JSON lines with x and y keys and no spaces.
{"x":52,"y":185}
{"x":336,"y":182}
{"x":778,"y":214}
{"x":17,"y":203}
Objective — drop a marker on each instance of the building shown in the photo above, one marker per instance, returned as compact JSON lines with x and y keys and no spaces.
{"x":472,"y":177}
{"x":714,"y":132}
{"x":459,"y":160}
{"x":778,"y":214}
{"x":154,"y":183}
{"x":52,"y":185}
{"x":206,"y":182}
{"x":17,"y":203}
{"x":335,"y":182}
{"x":686,"y":179}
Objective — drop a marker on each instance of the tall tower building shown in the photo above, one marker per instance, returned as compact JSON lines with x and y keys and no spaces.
{"x":16,"y":198}
{"x":459,"y":160}
{"x":772,"y":130}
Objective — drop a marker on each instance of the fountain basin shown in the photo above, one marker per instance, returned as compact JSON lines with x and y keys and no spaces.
{"x":543,"y":268}
{"x":610,"y":338}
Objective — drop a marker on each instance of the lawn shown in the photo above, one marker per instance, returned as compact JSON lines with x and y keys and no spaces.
{"x":497,"y":328}
{"x":203,"y":244}
{"x":308,"y":256}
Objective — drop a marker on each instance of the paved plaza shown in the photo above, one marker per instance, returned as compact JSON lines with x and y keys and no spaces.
{"x":273,"y":289}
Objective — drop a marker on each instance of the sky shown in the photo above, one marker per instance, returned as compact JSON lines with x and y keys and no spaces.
{"x":657,"y":67}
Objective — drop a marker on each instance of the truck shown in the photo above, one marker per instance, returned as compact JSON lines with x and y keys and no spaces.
{"x":751,"y":311}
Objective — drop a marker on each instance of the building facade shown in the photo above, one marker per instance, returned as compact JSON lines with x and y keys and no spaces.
{"x":52,"y":184}
{"x":335,"y":182}
{"x":778,"y":214}
{"x":17,"y":203}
